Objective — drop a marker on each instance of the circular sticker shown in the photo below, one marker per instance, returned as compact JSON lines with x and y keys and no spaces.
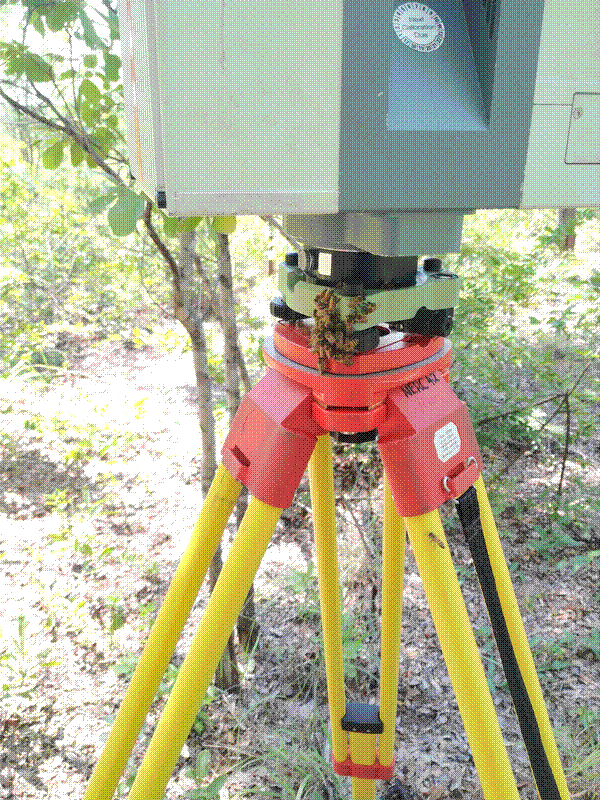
{"x":419,"y":27}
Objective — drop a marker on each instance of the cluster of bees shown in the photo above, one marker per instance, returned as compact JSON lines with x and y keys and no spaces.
{"x":331,"y":336}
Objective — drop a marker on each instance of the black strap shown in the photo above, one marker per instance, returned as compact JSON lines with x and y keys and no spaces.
{"x":470,"y":520}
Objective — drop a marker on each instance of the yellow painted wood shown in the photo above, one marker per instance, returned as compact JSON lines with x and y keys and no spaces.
{"x":462,"y":657}
{"x":394,"y":538}
{"x":207,"y":646}
{"x":518,"y":636}
{"x":320,"y":472}
{"x":164,"y":635}
{"x":363,"y":751}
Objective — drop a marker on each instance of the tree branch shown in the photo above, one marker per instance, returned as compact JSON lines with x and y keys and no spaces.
{"x":67,"y":129}
{"x":33,"y":114}
{"x":160,"y":245}
{"x":525,"y":405}
{"x":567,"y":443}
{"x":272,"y":221}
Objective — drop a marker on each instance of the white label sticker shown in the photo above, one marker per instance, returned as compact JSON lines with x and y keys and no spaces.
{"x":419,"y":27}
{"x":447,"y":442}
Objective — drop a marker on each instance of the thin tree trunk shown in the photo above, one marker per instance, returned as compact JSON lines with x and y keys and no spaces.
{"x":234,"y":369}
{"x":187,"y":310}
{"x":195,"y":328}
{"x":187,"y":305}
{"x":229,"y":325}
{"x":565,"y":215}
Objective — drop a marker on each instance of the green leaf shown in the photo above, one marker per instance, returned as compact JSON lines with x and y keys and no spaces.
{"x":215,"y":786}
{"x":113,"y":24}
{"x":112,"y":66}
{"x":225,"y":225}
{"x":61,"y":15}
{"x":52,"y":157}
{"x":202,"y":764}
{"x":90,"y":37}
{"x":188,"y":224}
{"x":100,"y":204}
{"x":90,"y":91}
{"x":170,"y":225}
{"x":36,"y":68}
{"x":77,"y":154}
{"x":37,"y":23}
{"x":123,"y":215}
{"x":90,"y":113}
{"x":90,"y":61}
{"x":104,"y":138}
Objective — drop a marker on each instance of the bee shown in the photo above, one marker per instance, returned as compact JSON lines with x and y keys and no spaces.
{"x":331,"y":335}
{"x":434,"y":538}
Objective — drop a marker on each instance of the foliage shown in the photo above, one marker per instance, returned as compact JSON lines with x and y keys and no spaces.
{"x":353,"y":638}
{"x":199,"y":773}
{"x":527,"y":322}
{"x":63,"y":276}
{"x":21,"y":665}
{"x":64,"y":74}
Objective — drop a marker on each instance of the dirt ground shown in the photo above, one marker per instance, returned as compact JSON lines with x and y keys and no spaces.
{"x":84,"y":573}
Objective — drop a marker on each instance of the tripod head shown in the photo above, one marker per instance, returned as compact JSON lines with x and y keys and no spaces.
{"x":357,"y":275}
{"x":360,"y":291}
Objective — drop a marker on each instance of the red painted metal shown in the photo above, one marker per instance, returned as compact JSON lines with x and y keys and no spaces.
{"x":271,"y":439}
{"x":376,"y":771}
{"x":426,"y":440}
{"x":427,"y":446}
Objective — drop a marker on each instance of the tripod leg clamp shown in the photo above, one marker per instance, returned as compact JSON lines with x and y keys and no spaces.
{"x":271,"y":439}
{"x":374,"y":771}
{"x":363,"y":718}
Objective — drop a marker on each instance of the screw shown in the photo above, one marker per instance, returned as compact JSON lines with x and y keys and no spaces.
{"x":577,"y":113}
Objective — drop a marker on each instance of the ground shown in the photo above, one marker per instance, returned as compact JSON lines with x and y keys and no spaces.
{"x":99,"y":488}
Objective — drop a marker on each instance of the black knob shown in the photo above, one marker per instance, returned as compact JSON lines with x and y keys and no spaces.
{"x":432,"y":265}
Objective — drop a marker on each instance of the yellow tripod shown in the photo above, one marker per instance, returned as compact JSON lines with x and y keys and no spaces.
{"x":430,"y":455}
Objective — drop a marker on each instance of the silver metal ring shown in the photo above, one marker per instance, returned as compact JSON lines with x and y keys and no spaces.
{"x":446,"y":484}
{"x":471,"y":460}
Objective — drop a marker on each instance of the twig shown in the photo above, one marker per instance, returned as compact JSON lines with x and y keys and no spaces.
{"x":565,"y":398}
{"x":164,"y":310}
{"x":567,"y":442}
{"x":66,"y":129}
{"x":516,"y":410}
{"x":368,"y":549}
{"x":272,"y":221}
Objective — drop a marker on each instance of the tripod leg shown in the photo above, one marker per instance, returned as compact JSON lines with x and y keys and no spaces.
{"x":392,"y":584}
{"x":164,"y":635}
{"x":462,"y":656}
{"x":509,"y":631}
{"x":320,"y":473}
{"x":363,"y":751}
{"x":209,"y":641}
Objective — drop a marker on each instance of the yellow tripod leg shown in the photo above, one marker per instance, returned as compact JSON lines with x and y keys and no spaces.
{"x":164,"y":635}
{"x":320,"y":473}
{"x":462,"y":657}
{"x":518,"y":637}
{"x":362,"y":751}
{"x":394,"y":538}
{"x":207,"y":646}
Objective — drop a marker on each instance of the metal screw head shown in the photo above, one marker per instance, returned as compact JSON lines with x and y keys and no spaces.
{"x":577,"y":113}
